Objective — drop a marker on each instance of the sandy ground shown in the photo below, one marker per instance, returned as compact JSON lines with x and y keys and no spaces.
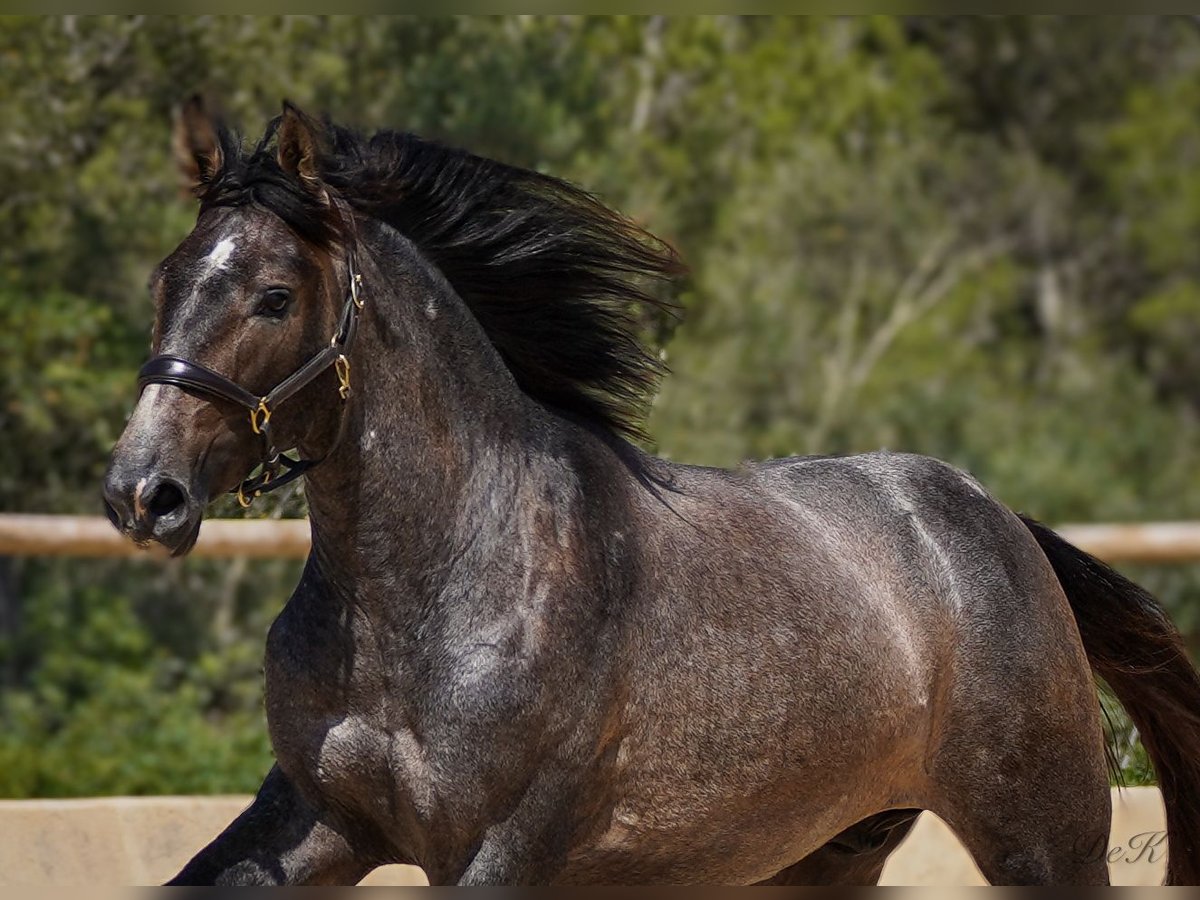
{"x":110,"y":842}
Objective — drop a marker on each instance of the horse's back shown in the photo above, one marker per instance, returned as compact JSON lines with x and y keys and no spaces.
{"x":959,"y":547}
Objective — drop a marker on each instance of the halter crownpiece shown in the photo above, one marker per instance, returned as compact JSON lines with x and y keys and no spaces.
{"x":183,"y":373}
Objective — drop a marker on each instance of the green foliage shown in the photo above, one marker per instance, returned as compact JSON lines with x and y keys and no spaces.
{"x":970,"y":237}
{"x":131,"y":679}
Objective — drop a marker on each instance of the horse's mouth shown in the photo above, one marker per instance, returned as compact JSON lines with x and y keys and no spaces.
{"x":184,"y":544}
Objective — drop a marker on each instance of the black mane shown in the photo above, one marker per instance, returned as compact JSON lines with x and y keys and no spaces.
{"x":553,"y":276}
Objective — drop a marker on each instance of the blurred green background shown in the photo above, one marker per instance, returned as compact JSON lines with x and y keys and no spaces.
{"x":969,"y":237}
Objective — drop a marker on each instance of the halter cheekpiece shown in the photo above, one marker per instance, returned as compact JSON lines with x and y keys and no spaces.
{"x":277,"y":469}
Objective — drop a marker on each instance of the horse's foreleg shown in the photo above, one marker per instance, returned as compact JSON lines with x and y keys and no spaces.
{"x":280,"y":839}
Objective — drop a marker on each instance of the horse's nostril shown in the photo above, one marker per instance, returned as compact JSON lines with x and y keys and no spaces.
{"x":164,"y":499}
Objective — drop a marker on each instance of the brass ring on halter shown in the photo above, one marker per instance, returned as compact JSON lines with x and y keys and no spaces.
{"x":244,"y":501}
{"x":260,"y":416}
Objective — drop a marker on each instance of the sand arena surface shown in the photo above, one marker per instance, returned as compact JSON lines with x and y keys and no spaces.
{"x":117,"y":841}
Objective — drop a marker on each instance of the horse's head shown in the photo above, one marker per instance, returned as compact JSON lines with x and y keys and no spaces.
{"x":245,"y":301}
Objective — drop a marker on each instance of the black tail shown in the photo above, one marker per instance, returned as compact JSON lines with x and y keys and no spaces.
{"x":1133,"y":646}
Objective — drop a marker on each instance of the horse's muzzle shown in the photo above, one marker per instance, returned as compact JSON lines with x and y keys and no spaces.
{"x":152,"y":506}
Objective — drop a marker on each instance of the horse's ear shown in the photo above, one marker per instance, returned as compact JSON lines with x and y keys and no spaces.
{"x":300,"y":139}
{"x":197,"y":144}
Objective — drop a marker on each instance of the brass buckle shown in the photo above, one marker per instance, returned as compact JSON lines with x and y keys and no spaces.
{"x":244,"y":501}
{"x":341,"y":366}
{"x":260,"y":416}
{"x":355,"y":284}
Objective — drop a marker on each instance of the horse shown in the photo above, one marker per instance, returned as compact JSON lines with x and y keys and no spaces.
{"x":525,"y":651}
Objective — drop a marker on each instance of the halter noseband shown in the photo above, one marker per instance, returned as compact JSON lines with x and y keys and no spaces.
{"x":175,"y":370}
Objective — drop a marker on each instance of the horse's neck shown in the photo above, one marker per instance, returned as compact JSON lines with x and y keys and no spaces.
{"x":434,"y":460}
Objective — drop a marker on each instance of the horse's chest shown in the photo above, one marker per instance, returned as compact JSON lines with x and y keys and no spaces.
{"x":367,"y":765}
{"x":375,"y":740}
{"x":333,"y":724}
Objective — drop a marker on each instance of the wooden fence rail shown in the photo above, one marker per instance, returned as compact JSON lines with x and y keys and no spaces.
{"x":36,"y":535}
{"x":93,"y":536}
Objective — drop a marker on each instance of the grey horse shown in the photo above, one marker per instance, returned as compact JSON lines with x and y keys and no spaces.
{"x":523,"y":651}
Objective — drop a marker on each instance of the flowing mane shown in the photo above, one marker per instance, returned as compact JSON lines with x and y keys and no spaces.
{"x":553,"y":276}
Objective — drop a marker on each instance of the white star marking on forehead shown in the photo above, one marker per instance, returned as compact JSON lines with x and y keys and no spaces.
{"x":220,"y":255}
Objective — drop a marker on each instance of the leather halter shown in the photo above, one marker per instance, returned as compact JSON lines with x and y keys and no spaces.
{"x":277,"y":468}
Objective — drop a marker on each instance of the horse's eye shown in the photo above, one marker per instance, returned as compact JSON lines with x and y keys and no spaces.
{"x":274,"y":302}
